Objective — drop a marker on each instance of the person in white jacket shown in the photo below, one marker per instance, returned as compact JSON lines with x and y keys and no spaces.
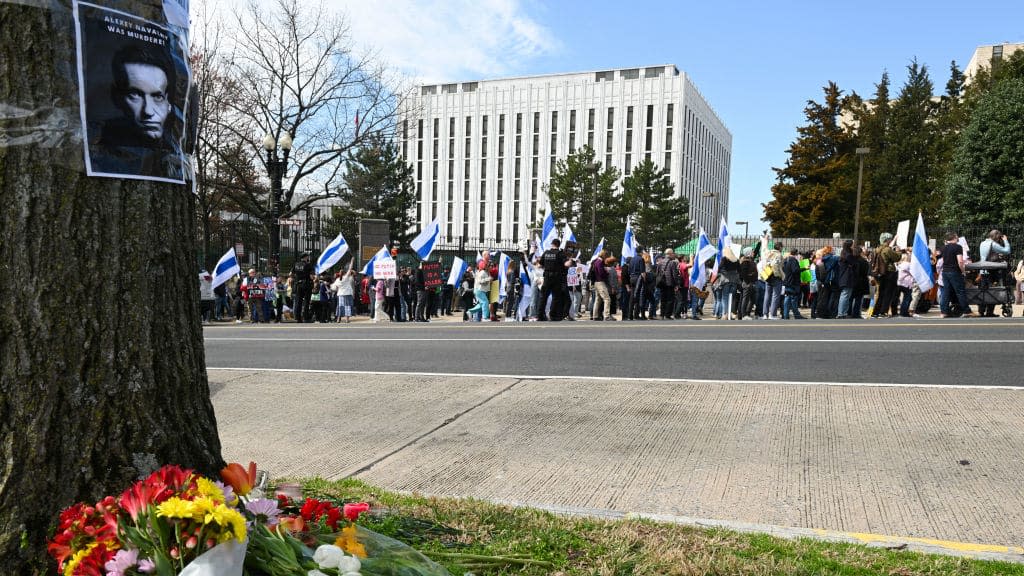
{"x":345,"y":287}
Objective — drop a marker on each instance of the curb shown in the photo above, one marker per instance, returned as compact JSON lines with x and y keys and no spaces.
{"x":1014,"y":554}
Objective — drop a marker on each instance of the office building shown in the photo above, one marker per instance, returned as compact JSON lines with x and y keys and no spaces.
{"x":483,"y":151}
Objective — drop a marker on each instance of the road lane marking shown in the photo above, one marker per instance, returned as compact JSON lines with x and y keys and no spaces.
{"x":567,"y":340}
{"x":615,"y":378}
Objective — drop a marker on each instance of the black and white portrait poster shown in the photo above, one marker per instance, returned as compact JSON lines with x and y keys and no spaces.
{"x":134,"y":79}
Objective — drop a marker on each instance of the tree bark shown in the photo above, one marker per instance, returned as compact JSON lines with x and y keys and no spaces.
{"x":102,"y":370}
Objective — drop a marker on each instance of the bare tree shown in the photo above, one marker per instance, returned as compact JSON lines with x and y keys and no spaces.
{"x":298,"y":77}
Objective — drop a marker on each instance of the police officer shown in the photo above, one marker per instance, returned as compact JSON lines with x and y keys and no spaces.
{"x":302,"y":287}
{"x":555,"y":264}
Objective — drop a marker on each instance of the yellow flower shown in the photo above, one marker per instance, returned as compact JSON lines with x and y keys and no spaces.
{"x":202,"y":509}
{"x":206,"y":487}
{"x":348,"y":542}
{"x":230,"y":521}
{"x":77,"y":558}
{"x":175,"y":508}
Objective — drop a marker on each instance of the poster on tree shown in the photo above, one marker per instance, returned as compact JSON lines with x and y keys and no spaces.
{"x":133,"y":81}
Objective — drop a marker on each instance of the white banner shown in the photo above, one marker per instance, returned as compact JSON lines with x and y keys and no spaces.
{"x":385,"y":269}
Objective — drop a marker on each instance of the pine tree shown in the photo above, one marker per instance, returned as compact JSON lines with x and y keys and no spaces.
{"x":379,"y":185}
{"x":582,"y":193}
{"x":815,"y":192}
{"x":906,"y":178}
{"x":986,"y":186}
{"x":660,"y":217}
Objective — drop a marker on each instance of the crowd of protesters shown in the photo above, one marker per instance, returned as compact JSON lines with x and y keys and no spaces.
{"x":761,"y":282}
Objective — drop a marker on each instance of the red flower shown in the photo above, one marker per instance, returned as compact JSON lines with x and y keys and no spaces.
{"x":140,"y":496}
{"x":314,"y":510}
{"x":240,"y":479}
{"x":353,"y":510}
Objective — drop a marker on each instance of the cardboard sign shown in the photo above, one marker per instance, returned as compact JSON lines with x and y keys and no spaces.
{"x":902,"y":234}
{"x":573,"y":276}
{"x":432,"y":274}
{"x":385,"y":269}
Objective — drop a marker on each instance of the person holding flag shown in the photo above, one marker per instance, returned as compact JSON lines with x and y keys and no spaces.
{"x":699,"y":272}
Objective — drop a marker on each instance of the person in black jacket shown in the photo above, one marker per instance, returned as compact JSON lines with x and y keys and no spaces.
{"x":748,"y":284}
{"x":556,"y":264}
{"x":845,"y":279}
{"x":791,"y":285}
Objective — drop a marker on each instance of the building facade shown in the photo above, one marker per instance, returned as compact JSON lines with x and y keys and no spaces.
{"x":987,"y":56}
{"x":483,"y":151}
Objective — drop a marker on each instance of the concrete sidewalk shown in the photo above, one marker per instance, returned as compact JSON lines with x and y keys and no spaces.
{"x":935,"y":463}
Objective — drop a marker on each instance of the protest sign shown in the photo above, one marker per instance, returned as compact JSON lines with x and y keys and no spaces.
{"x":432,"y":274}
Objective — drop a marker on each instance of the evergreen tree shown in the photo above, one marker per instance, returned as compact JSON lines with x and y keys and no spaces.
{"x":582,"y":192}
{"x":906,"y":180}
{"x":950,"y":120}
{"x":872,"y":133}
{"x":660,"y":218}
{"x":379,"y":185}
{"x":986,"y":186}
{"x":815,"y":192}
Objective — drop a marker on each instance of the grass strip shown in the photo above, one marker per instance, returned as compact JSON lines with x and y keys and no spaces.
{"x":467,"y":535}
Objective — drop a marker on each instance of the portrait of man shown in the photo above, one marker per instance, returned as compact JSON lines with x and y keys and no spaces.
{"x":133,"y":96}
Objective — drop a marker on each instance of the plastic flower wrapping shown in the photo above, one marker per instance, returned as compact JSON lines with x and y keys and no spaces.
{"x":176,"y":522}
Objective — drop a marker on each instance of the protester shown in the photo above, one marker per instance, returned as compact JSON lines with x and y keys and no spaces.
{"x":481,"y":289}
{"x":883,"y":269}
{"x":302,"y":288}
{"x":748,"y":284}
{"x":729,"y":273}
{"x":791,"y":271}
{"x":206,"y":296}
{"x":995,"y":248}
{"x":379,"y":298}
{"x":953,"y":276}
{"x":555,"y":263}
{"x":668,"y":281}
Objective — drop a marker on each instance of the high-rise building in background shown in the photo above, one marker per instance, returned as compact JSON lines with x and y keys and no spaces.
{"x":988,"y":56}
{"x":483,"y":151}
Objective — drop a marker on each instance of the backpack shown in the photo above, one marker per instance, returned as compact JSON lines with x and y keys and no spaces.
{"x":878,"y":265}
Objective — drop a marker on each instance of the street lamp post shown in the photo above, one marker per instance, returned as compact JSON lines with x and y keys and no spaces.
{"x":594,"y":167}
{"x":746,"y":228}
{"x":277,"y":166}
{"x":861,"y":153}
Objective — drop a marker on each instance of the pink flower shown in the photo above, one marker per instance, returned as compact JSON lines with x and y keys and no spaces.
{"x":264,"y":510}
{"x":353,"y":510}
{"x":124,"y":560}
{"x":147,"y":566}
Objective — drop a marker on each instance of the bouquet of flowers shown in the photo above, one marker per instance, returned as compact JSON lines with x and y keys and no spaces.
{"x":157,"y":526}
{"x":179,"y":523}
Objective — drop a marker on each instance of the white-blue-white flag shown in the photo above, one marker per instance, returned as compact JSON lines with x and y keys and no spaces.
{"x":423,"y":243}
{"x":503,"y":262}
{"x":526,"y":297}
{"x":332,"y":254}
{"x":459,"y":268}
{"x":226,"y":267}
{"x":724,"y":241}
{"x":550,"y":231}
{"x":381,"y":254}
{"x":567,"y":235}
{"x":597,"y":250}
{"x":921,"y":258}
{"x":628,"y":243}
{"x":705,"y":251}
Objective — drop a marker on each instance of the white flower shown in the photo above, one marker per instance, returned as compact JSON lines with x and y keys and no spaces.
{"x":349,"y":564}
{"x":328,"y":556}
{"x":351,"y":574}
{"x":315,"y":573}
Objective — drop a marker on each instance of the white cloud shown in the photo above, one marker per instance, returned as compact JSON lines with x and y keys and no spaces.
{"x":449,"y":40}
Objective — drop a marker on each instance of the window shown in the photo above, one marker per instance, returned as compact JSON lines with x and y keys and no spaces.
{"x":519,"y":123}
{"x":997,"y":52}
{"x":590,"y":119}
{"x":451,"y":127}
{"x":631,"y":74}
{"x":629,"y":164}
{"x":629,"y":116}
{"x":469,"y":87}
{"x":654,"y":72}
{"x":604,"y":76}
{"x":572,"y":120}
{"x":669,"y":111}
{"x":449,"y":88}
{"x":501,"y":124}
{"x":611,"y":118}
{"x":554,"y":121}
{"x":650,"y":115}
{"x":483,"y":146}
{"x":519,"y":145}
{"x":419,"y":129}
{"x":536,"y":122}
{"x":668,"y":138}
{"x":483,"y":127}
{"x":469,"y":125}
{"x":428,"y":90}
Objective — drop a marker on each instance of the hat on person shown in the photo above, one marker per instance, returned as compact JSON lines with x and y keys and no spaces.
{"x":884,"y":238}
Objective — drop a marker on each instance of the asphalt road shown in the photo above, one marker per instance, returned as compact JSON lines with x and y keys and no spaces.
{"x":887,"y":351}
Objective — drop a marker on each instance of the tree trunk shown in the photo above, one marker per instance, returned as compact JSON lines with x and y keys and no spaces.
{"x":102,"y":371}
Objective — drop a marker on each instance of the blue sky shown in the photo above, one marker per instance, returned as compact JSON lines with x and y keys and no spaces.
{"x":756,"y":62}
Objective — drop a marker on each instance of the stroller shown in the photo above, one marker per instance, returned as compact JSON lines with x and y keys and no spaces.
{"x":992,"y":288}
